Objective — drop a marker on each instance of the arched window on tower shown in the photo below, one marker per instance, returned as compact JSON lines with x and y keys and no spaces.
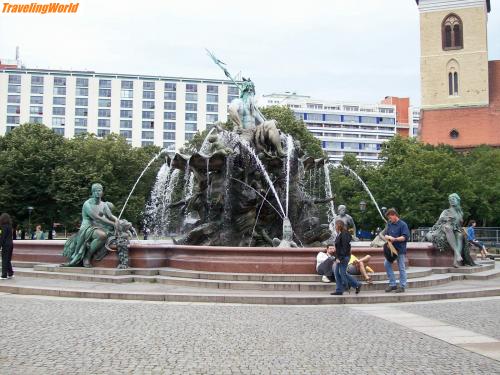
{"x":452,"y":32}
{"x":453,"y":83}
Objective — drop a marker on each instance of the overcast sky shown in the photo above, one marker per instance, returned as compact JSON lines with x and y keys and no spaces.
{"x":349,"y":50}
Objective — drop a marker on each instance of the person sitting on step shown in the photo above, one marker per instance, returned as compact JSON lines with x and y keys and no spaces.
{"x":324,"y":264}
{"x":360,"y":267}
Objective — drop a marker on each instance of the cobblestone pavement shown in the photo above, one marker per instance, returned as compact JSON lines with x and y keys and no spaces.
{"x":481,"y":316}
{"x":42,"y":335}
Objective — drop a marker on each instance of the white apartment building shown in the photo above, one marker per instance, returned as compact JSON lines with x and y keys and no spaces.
{"x":342,"y":127}
{"x":414,"y":119}
{"x":146,"y":110}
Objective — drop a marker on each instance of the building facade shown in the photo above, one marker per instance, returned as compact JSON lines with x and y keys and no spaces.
{"x":460,"y":87}
{"x":342,"y":127}
{"x":146,"y":110}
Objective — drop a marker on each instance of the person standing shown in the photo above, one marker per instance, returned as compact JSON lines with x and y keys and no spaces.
{"x":343,"y":254}
{"x":39,"y":234}
{"x":7,"y":246}
{"x":397,"y":234}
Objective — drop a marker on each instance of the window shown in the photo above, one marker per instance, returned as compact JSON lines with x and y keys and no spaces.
{"x":126,"y":133}
{"x":191,"y":97}
{"x":211,"y":89}
{"x":59,"y":100}
{"x":454,"y":134}
{"x":12,"y":119}
{"x":169,"y":146}
{"x":148,"y":135}
{"x":15,"y":109}
{"x":127,"y":85}
{"x":211,"y":98}
{"x":104,"y":103}
{"x":330,"y":117}
{"x":58,"y":111}
{"x":169,"y":106}
{"x":126,"y":103}
{"x":169,"y":125}
{"x":148,"y":114}
{"x":81,"y":102}
{"x":103,"y":112}
{"x":80,"y":131}
{"x":59,"y":131}
{"x":191,"y":127}
{"x":148,"y":124}
{"x":58,"y":121}
{"x":169,"y":115}
{"x":126,"y":113}
{"x":127,"y":124}
{"x":15,"y":89}
{"x":59,"y":90}
{"x":170,"y":96}
{"x":148,"y":105}
{"x":81,"y":112}
{"x":104,"y":83}
{"x":36,"y":120}
{"x":453,"y":83}
{"x":170,"y":86}
{"x":80,"y":91}
{"x":36,"y":80}
{"x":82,"y":82}
{"x":192,"y":107}
{"x":36,"y":110}
{"x":189,"y":136}
{"x":191,"y":117}
{"x":81,"y":122}
{"x":148,"y":94}
{"x":386,"y":120}
{"x":148,"y":86}
{"x":36,"y":100}
{"x":212,"y":108}
{"x":105,"y":93}
{"x":452,"y":32}
{"x":103,"y":123}
{"x":191,"y":87}
{"x":233,"y":90}
{"x":59,"y":81}
{"x":314,"y":117}
{"x":212,"y":117}
{"x":37,"y":89}
{"x":351,"y":118}
{"x":102,"y":133}
{"x":14,"y":79}
{"x":368,"y":119}
{"x":168,"y":136}
{"x":14,"y":99}
{"x":147,"y":143}
{"x":127,"y":94}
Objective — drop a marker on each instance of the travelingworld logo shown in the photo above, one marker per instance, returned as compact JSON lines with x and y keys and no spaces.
{"x":40,"y":8}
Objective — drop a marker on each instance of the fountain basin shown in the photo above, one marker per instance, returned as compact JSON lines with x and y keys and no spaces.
{"x":273,"y":260}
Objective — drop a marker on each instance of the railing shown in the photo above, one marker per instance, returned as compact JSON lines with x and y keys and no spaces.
{"x":490,"y":236}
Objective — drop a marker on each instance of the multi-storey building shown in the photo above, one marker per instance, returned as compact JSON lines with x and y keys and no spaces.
{"x":146,"y":110}
{"x":342,"y":127}
{"x":414,"y":124}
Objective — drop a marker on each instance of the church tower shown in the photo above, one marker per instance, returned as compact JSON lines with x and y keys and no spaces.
{"x":454,"y":53}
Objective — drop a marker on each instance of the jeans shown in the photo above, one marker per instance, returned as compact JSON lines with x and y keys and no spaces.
{"x":342,"y":279}
{"x":6,"y":262}
{"x":402,"y":271}
{"x":477,"y":244}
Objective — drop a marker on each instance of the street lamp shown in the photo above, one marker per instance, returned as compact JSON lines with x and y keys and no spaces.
{"x":362,"y":208}
{"x":30,"y":210}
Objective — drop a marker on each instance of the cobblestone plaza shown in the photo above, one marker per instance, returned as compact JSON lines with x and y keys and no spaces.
{"x":45,"y":335}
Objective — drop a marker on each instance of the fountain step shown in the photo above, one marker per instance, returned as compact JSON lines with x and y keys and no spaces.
{"x":413,"y":272}
{"x":417,"y":282}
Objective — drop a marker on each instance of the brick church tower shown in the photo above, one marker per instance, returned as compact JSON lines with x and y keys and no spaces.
{"x":460,"y":87}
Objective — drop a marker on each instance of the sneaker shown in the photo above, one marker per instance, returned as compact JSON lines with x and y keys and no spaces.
{"x":400,"y":290}
{"x":390,"y":289}
{"x":10,"y":277}
{"x":3,"y":278}
{"x":325,"y":279}
{"x":336,"y":293}
{"x":358,"y":288}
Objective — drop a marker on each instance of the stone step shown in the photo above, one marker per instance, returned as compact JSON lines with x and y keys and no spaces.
{"x":417,"y":282}
{"x":483,"y":265}
{"x":485,"y":275}
{"x":413,"y":272}
{"x":268,"y":299}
